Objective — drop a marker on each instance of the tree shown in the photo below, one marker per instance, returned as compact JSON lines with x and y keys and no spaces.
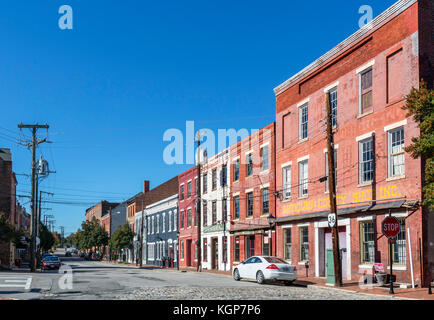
{"x":420,"y":105}
{"x":46,"y":238}
{"x":122,"y":238}
{"x":92,"y":235}
{"x":8,"y":232}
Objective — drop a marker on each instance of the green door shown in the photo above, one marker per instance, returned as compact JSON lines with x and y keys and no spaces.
{"x":330,"y":267}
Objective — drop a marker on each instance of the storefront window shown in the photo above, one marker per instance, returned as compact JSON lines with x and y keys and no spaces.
{"x":287,"y":237}
{"x":237,"y":249}
{"x":304,"y":244}
{"x":399,"y":247}
{"x":367,"y":244}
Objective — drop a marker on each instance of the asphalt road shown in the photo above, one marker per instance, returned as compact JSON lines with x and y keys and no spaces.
{"x":80,"y":279}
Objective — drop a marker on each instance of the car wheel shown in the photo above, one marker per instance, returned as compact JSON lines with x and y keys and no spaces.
{"x":260,"y":277}
{"x":288,"y":283}
{"x":237,"y":275}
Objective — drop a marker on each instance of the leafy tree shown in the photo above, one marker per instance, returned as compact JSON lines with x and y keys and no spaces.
{"x":122,"y":238}
{"x":46,"y":238}
{"x":92,"y":235}
{"x":8,"y":232}
{"x":420,"y":105}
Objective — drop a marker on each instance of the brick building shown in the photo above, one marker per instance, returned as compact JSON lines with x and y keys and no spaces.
{"x":187,"y":202}
{"x":99,"y":210}
{"x":366,"y":78}
{"x":252,"y":180}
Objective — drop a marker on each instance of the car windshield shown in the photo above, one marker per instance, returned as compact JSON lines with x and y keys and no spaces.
{"x":275,"y":260}
{"x":51,"y":259}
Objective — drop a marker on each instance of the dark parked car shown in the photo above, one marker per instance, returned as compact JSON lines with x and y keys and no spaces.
{"x":68,"y":254}
{"x":50,"y":262}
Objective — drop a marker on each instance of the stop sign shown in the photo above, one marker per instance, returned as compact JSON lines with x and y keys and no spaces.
{"x":390,"y":227}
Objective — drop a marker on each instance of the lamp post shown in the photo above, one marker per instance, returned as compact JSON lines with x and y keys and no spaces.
{"x":271,"y":221}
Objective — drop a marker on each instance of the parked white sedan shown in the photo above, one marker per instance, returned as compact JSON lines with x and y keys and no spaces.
{"x":262,"y":268}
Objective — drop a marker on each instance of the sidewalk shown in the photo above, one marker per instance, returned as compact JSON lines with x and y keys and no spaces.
{"x":353,"y":286}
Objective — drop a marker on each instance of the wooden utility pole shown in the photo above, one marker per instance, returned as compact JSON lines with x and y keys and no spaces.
{"x":199,"y":206}
{"x":33,"y":195}
{"x":141,"y":234}
{"x":332,"y":195}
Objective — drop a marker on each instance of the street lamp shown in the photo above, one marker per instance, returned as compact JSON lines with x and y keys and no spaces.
{"x":271,"y":221}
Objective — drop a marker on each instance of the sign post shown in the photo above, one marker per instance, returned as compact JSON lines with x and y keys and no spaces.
{"x":390,"y":228}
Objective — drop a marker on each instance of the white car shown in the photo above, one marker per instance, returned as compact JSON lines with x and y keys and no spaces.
{"x":262,"y":268}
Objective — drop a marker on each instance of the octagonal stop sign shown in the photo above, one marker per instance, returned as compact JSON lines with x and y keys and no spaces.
{"x":390,"y":227}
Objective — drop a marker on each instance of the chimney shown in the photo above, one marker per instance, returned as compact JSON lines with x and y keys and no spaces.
{"x":145,"y":186}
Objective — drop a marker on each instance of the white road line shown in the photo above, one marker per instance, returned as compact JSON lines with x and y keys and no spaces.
{"x":16,"y":282}
{"x":24,"y":280}
{"x":12,"y":285}
{"x":28,"y":283}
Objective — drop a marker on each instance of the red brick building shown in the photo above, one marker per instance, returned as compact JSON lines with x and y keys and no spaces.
{"x":187,"y":199}
{"x":252,"y":180}
{"x":366,"y":77}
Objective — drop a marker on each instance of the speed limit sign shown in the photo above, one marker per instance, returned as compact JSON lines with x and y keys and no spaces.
{"x":332,"y":220}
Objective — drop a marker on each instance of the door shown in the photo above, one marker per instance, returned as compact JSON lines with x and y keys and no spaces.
{"x":214,"y":253}
{"x":188,"y":253}
{"x":330,"y":268}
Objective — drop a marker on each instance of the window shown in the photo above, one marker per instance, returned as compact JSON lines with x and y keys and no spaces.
{"x":214,"y":179}
{"x":158,"y":223}
{"x":153,"y":224}
{"x":188,"y":217}
{"x":365,"y":90}
{"x":205,"y":215}
{"x":265,"y":245}
{"x":205,"y":250}
{"x":286,"y":182}
{"x":249,"y":204}
{"x":327,"y":170}
{"x":250,"y":246}
{"x":223,"y":178}
{"x":249,"y":165}
{"x":196,"y":250}
{"x":236,"y":207}
{"x":182,"y":192}
{"x":264,"y":158}
{"x":367,"y":245}
{"x":224,"y":210}
{"x":396,"y":152}
{"x":237,"y":170}
{"x":196,"y":186}
{"x":149,"y":225}
{"x":225,"y":249}
{"x":196,"y":216}
{"x":304,"y":244}
{"x":175,"y":221}
{"x":164,"y":221}
{"x":170,"y":220}
{"x":287,"y":239}
{"x":366,"y":160}
{"x":303,"y":178}
{"x":265,"y":202}
{"x":237,"y":249}
{"x":182,"y":249}
{"x":333,"y":96}
{"x":214,"y":212}
{"x":189,"y":189}
{"x":151,"y":251}
{"x":399,"y":247}
{"x":302,"y":120}
{"x":205,"y":182}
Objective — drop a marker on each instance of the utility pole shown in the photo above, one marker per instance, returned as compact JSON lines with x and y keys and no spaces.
{"x":332,"y":195}
{"x":141,"y":234}
{"x":199,"y":206}
{"x":34,"y":144}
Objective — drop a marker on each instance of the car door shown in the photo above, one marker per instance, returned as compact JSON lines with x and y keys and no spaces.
{"x":253,"y":268}
{"x":244,"y":268}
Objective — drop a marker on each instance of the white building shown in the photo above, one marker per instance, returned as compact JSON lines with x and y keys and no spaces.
{"x":215,"y":212}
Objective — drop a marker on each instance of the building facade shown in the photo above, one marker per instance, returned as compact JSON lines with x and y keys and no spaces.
{"x":252,"y":180}
{"x":161,"y":229}
{"x":188,"y":219}
{"x":366,"y":78}
{"x":215,"y":244}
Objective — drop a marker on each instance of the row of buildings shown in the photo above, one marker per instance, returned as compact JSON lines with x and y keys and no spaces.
{"x":268,"y":193}
{"x":10,"y":208}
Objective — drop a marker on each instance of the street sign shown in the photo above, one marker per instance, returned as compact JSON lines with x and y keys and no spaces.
{"x":331,"y":220}
{"x":390,"y":227}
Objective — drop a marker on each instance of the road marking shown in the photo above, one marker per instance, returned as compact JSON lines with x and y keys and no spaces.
{"x":16,"y":282}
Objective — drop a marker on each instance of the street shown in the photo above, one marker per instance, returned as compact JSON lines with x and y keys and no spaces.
{"x":92,"y":280}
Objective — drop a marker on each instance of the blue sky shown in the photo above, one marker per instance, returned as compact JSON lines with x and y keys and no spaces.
{"x":129,"y":70}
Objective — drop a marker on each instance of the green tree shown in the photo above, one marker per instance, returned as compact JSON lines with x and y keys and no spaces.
{"x":122,"y":238}
{"x":8,"y":232}
{"x":46,"y":238}
{"x":92,"y":235}
{"x":420,"y":105}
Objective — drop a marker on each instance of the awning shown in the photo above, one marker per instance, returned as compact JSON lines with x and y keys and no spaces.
{"x":249,"y":229}
{"x":350,"y":210}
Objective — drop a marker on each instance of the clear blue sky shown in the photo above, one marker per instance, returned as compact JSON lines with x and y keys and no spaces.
{"x":129,"y":70}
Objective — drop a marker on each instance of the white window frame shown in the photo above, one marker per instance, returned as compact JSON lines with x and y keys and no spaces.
{"x":390,"y":156}
{"x":361,"y":162}
{"x":301,"y":123}
{"x":286,"y":182}
{"x":303,"y":175}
